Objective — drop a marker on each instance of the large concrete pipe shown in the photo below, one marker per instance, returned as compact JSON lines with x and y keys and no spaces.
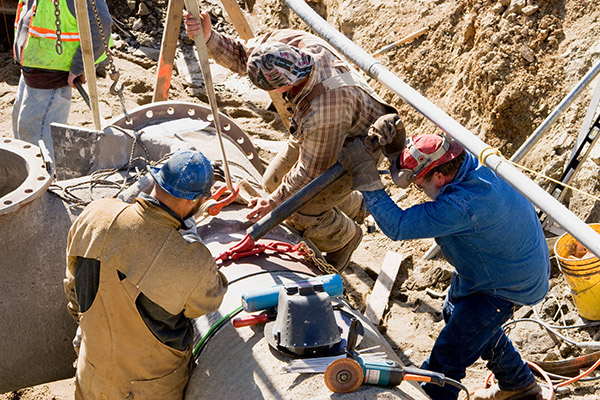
{"x":240,"y":363}
{"x":36,"y":334}
{"x":36,"y":331}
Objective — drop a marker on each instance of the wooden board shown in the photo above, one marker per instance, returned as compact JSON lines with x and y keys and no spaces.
{"x":238,"y":20}
{"x":167,"y":50}
{"x":377,"y":301}
{"x":87,"y":53}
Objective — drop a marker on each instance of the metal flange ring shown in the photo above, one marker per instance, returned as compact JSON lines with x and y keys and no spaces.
{"x":23,"y":174}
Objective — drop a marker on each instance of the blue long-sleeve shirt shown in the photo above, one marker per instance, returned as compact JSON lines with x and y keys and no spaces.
{"x":486,"y":229}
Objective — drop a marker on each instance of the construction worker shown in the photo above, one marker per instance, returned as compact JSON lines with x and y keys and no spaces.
{"x":330,"y":103}
{"x":51,"y":63}
{"x":491,"y":235}
{"x":134,"y":282}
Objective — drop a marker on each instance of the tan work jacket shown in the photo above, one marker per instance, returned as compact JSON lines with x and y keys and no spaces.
{"x":119,"y":357}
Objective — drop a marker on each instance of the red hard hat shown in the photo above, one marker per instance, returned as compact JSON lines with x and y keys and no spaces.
{"x":421,"y":154}
{"x":431,"y":151}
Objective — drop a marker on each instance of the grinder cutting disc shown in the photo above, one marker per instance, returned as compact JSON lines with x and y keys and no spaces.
{"x":344,"y":375}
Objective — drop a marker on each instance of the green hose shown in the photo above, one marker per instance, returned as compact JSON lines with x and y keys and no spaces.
{"x":214,"y":327}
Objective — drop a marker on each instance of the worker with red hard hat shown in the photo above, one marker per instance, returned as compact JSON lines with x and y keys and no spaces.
{"x":491,"y":235}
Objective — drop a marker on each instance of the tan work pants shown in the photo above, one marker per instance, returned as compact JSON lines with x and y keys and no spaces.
{"x":328,"y":219}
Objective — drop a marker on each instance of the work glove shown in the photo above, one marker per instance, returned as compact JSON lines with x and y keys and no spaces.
{"x":361,"y":165}
{"x":383,"y":131}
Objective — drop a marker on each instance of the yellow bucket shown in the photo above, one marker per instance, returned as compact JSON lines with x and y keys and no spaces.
{"x":582,"y":274}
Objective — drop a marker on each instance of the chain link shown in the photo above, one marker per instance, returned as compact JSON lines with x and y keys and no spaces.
{"x":105,"y":42}
{"x":309,"y":255}
{"x":114,"y":73}
{"x":58,"y":47}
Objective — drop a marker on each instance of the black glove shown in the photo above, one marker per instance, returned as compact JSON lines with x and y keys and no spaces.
{"x":359,"y":162}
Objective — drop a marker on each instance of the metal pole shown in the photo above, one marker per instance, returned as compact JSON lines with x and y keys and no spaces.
{"x":294,"y":202}
{"x":581,"y":231}
{"x":563,"y":105}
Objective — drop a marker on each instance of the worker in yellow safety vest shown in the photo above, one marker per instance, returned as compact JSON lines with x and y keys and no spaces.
{"x":46,"y":46}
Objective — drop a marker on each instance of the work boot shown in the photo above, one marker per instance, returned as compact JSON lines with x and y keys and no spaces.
{"x":339,"y":259}
{"x":532,"y":392}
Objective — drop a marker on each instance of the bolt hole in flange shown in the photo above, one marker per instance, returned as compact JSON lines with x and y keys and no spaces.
{"x":23,"y":176}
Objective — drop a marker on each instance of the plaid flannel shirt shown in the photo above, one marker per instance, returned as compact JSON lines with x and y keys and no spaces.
{"x":320,"y":126}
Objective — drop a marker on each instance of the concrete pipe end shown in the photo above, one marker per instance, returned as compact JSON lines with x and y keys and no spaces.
{"x":23,"y":174}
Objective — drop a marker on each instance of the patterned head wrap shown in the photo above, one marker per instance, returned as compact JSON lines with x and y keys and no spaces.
{"x":273,"y":65}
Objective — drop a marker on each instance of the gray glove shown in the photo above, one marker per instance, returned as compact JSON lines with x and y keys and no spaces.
{"x":360,"y":164}
{"x":384,"y":129}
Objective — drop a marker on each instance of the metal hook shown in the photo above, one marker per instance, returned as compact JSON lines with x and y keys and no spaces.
{"x":114,"y":76}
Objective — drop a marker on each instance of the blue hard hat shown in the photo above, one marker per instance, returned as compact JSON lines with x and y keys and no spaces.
{"x":187,"y":175}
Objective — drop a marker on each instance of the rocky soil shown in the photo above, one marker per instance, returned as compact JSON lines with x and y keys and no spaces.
{"x":497,"y":67}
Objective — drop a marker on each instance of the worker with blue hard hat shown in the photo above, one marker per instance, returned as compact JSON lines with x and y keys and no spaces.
{"x":134,"y":281}
{"x":187,"y":175}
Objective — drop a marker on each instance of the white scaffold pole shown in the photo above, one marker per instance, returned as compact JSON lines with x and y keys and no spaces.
{"x":564,"y":217}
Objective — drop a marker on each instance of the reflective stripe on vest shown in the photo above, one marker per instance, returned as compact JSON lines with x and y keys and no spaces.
{"x":51,"y":34}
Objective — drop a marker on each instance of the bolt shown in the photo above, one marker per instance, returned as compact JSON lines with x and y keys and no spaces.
{"x":343,"y":376}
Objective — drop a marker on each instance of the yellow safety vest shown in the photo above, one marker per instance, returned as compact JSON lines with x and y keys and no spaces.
{"x":39,"y":50}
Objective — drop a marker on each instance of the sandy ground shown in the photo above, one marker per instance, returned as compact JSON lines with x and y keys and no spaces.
{"x":499,"y":68}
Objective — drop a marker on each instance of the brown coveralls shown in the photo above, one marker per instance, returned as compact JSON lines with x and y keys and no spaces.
{"x":120,"y":358}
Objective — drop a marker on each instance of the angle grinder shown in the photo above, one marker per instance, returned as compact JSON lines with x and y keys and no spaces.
{"x":346,"y":375}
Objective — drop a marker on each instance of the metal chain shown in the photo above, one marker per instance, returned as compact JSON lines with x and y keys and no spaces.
{"x":309,"y":255}
{"x":58,"y":47}
{"x":122,"y":101}
{"x":113,"y":71}
{"x":105,"y":42}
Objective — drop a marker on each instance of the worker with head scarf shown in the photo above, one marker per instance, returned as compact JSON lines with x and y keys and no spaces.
{"x":491,"y":235}
{"x":133,"y":283}
{"x":330,"y":103}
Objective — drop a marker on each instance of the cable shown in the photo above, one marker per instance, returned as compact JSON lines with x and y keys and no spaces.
{"x":546,"y":378}
{"x":559,"y":327}
{"x":593,"y":345}
{"x":578,"y":377}
{"x":538,"y":369}
{"x":452,"y":382}
{"x":584,"y":345}
{"x":213,"y":328}
{"x":562,"y":377}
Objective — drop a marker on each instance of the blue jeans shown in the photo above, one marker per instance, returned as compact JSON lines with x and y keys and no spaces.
{"x":35,"y":109}
{"x":474,"y":329}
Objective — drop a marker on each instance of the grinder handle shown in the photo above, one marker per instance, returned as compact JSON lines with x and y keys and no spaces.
{"x":352,"y":336}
